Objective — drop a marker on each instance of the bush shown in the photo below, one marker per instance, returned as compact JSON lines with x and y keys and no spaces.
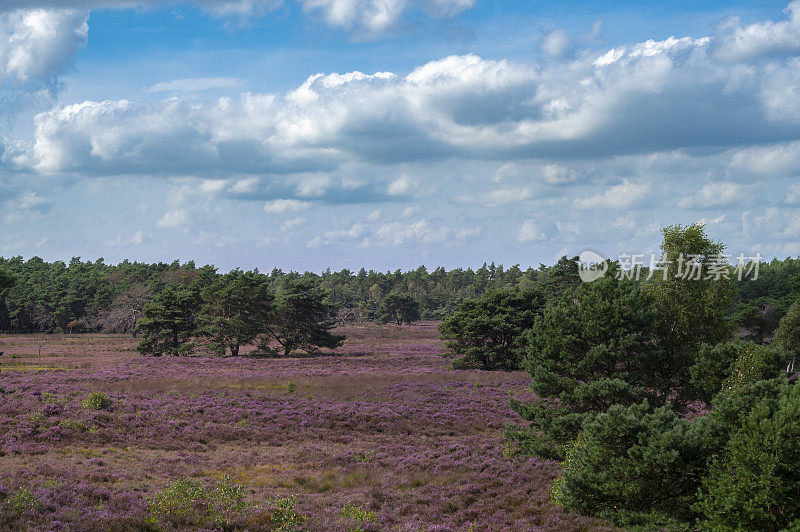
{"x":355,"y":517}
{"x":187,"y":503}
{"x":753,"y":485}
{"x":21,"y":503}
{"x":282,"y":515}
{"x":97,"y":401}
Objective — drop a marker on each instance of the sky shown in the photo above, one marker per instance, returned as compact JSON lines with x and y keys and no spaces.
{"x":307,"y":134}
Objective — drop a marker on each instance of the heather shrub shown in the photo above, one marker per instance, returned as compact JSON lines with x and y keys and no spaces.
{"x":355,"y":517}
{"x":97,"y":401}
{"x":753,"y":483}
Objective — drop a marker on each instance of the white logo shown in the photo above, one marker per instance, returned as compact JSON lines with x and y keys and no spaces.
{"x":591,"y":266}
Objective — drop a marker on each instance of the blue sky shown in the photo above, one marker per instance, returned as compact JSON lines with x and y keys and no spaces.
{"x":306,"y":134}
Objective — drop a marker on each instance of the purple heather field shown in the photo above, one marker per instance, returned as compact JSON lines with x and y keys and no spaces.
{"x":381,"y":426}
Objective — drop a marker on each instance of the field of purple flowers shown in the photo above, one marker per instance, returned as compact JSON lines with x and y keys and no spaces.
{"x":379,"y":436}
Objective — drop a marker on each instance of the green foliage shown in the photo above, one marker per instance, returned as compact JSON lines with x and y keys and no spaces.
{"x":724,"y":366}
{"x":21,"y":503}
{"x":355,"y":517}
{"x":97,"y":401}
{"x":236,"y":309}
{"x":588,"y":350}
{"x":283,"y":516}
{"x":167,"y":323}
{"x":487,"y":332}
{"x":301,"y":320}
{"x":634,"y":465}
{"x":398,"y":308}
{"x":6,"y":280}
{"x":753,"y":484}
{"x":290,"y":387}
{"x":788,"y":333}
{"x":187,"y":503}
{"x":758,"y":318}
{"x":691,"y":311}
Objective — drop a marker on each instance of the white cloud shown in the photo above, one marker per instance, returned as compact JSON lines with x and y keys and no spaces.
{"x":780,"y":160}
{"x":793,"y":194}
{"x":121,"y":242}
{"x":651,"y":96}
{"x":370,"y":18}
{"x":500,"y":197}
{"x":175,"y":218}
{"x":533,"y":231}
{"x":555,"y":43}
{"x":294,"y":223}
{"x":36,"y":45}
{"x":402,"y":186}
{"x":398,"y":233}
{"x":196,"y":84}
{"x":286,"y":205}
{"x":738,"y":42}
{"x":213,"y":186}
{"x":715,"y":195}
{"x":626,"y":195}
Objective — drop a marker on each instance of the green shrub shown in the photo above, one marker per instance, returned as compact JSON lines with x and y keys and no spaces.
{"x":280,"y":516}
{"x":291,"y":387}
{"x":187,"y":503}
{"x":22,"y":502}
{"x":97,"y":401}
{"x":354,"y":517}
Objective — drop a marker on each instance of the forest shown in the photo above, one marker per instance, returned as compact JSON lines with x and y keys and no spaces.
{"x":85,"y":296}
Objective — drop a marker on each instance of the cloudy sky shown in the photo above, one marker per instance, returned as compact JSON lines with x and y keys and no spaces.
{"x":391,"y":133}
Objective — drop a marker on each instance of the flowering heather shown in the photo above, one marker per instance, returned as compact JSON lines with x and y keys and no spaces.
{"x":379,"y":435}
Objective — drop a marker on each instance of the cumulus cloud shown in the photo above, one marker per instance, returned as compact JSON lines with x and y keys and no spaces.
{"x":533,"y":230}
{"x":374,"y":17}
{"x":286,"y":205}
{"x":626,"y":195}
{"x":366,"y":18}
{"x":499,"y":197}
{"x":36,"y":45}
{"x":175,"y":218}
{"x":647,"y":97}
{"x":555,"y":43}
{"x":402,"y":186}
{"x":738,"y":42}
{"x":715,"y":195}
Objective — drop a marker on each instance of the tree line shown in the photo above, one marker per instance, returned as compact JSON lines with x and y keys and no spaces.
{"x":92,"y":296}
{"x":670,"y":403}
